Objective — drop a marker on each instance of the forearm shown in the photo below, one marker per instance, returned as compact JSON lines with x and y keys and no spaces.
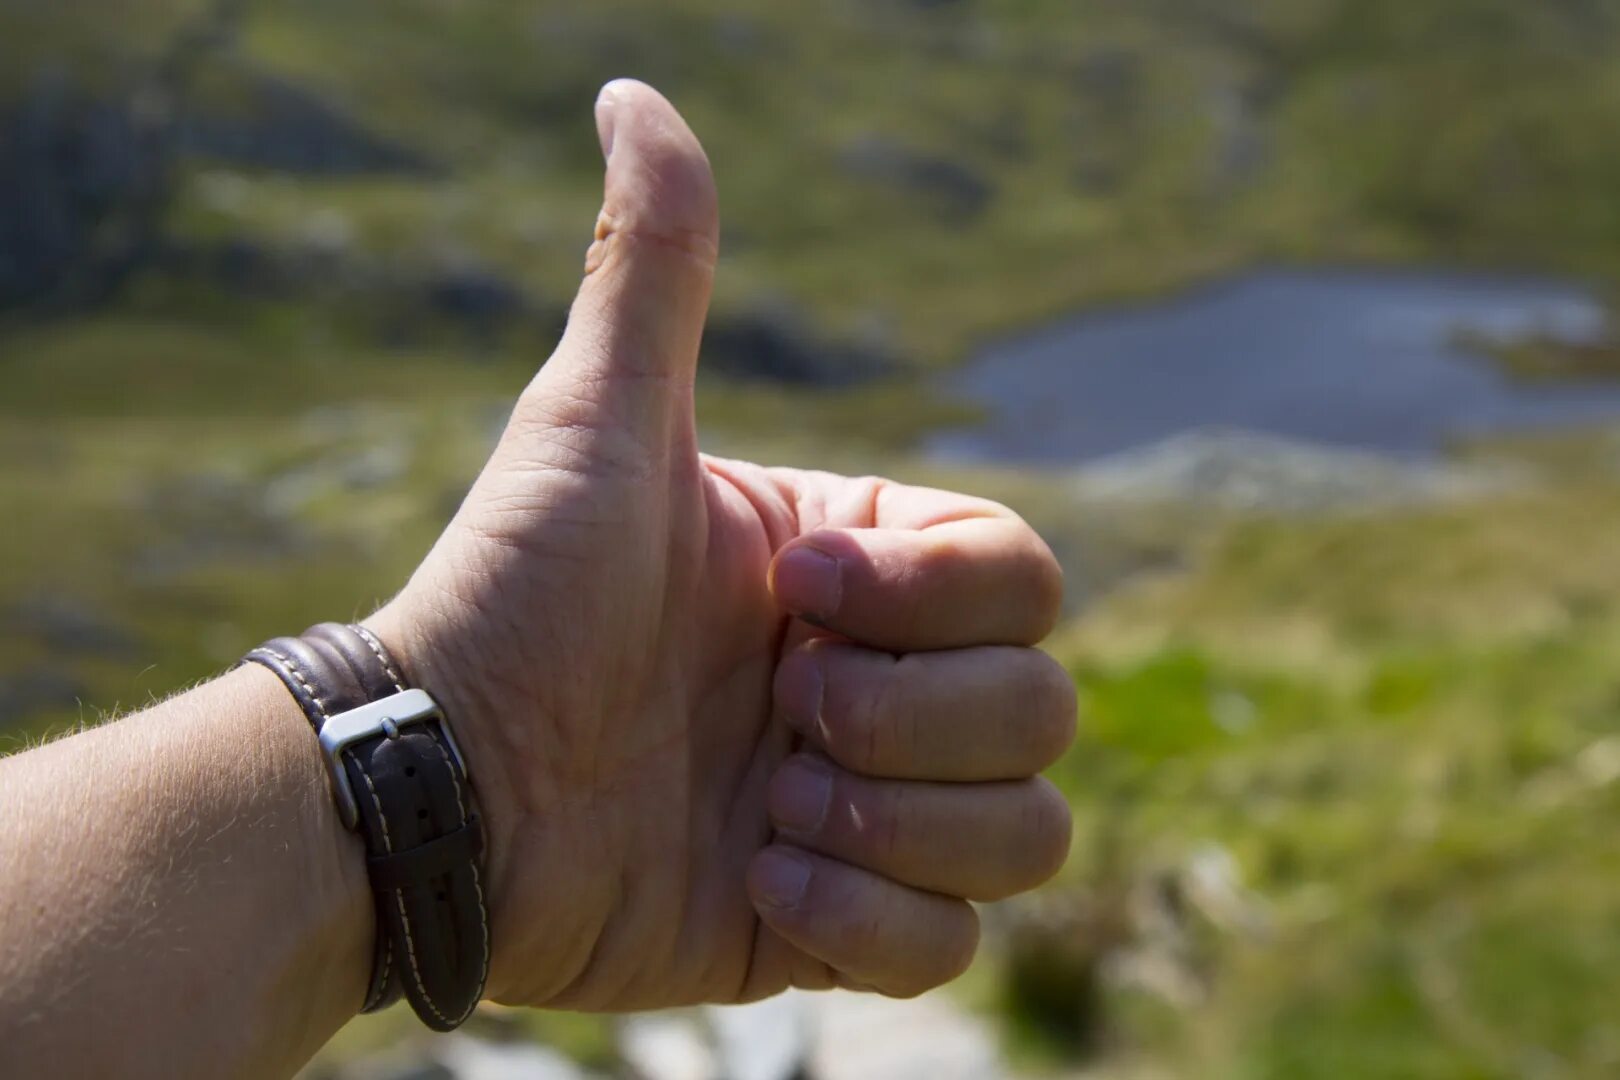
{"x":179,"y":898}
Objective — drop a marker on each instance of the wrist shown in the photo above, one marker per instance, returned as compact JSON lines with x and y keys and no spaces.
{"x":401,"y":786}
{"x":326,"y":915}
{"x":543,"y":915}
{"x":430,"y":659}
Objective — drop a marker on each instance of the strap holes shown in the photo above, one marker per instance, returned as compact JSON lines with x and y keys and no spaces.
{"x":421,"y":815}
{"x":441,"y":896}
{"x":410,"y":770}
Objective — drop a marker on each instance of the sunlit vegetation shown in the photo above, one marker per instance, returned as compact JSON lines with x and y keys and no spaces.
{"x":1346,"y":787}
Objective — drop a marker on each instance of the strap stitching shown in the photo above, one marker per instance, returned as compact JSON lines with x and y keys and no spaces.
{"x":399,"y":901}
{"x":388,"y":847}
{"x":382,"y":981}
{"x":376,"y":647}
{"x":461,"y":808}
{"x":320,"y":706}
{"x":478,"y":886}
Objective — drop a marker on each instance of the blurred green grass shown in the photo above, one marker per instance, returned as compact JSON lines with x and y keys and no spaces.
{"x":1404,"y":730}
{"x":1399,"y":728}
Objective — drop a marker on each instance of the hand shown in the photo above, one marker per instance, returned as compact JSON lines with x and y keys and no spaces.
{"x":734,"y":729}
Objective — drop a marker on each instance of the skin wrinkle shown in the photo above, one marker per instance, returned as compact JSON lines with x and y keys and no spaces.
{"x":531,"y":477}
{"x":696,"y":244}
{"x":576,"y":994}
{"x":904,"y":730}
{"x":892,"y":822}
{"x":544,"y":549}
{"x":758,"y":834}
{"x":584,"y":405}
{"x":585,"y":463}
{"x":778,"y":517}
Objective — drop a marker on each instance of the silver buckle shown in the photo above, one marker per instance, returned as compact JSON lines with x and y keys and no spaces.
{"x":383,"y":717}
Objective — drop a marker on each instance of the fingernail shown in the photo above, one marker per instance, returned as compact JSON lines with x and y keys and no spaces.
{"x":799,"y":795}
{"x":799,"y":693}
{"x":780,"y":879}
{"x":809,"y":582}
{"x":606,"y":105}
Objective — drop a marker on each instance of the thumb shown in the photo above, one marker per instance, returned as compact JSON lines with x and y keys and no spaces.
{"x":630,"y":351}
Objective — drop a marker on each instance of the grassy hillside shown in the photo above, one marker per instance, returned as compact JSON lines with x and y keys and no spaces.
{"x":923,"y":173}
{"x":1346,"y":784}
{"x":1400,"y":736}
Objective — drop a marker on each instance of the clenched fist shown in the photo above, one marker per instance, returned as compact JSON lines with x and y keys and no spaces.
{"x":734,"y":728}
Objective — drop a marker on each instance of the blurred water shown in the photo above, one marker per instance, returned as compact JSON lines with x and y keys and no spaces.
{"x":1358,"y":358}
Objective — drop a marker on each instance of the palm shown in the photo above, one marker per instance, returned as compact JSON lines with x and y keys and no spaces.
{"x":673,"y":738}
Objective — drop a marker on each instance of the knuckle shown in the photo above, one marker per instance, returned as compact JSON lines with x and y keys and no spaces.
{"x":1052,"y":707}
{"x":947,"y":957}
{"x":617,"y":231}
{"x":1045,"y":584}
{"x":963,"y":947}
{"x":941,"y":558}
{"x":908,"y":986}
{"x":860,"y":715}
{"x":865,"y":935}
{"x":1037,"y":842}
{"x":1048,"y":826}
{"x":896,"y":738}
{"x":887,"y":825}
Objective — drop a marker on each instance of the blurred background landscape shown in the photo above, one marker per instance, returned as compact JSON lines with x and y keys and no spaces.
{"x":1290,"y":323}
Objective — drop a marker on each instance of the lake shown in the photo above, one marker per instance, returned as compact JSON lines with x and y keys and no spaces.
{"x":1369,"y":359}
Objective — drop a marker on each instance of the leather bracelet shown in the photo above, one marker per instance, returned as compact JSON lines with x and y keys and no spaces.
{"x":399,"y":780}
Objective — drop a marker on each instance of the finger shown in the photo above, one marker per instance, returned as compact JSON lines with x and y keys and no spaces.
{"x":976,"y":841}
{"x":990,"y":713}
{"x":875,"y":933}
{"x":979,"y":581}
{"x":631,"y":347}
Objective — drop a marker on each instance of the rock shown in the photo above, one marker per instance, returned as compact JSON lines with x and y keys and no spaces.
{"x":474,"y":294}
{"x":667,"y":1046}
{"x":1247,"y":472}
{"x":467,"y":1058}
{"x":65,"y":625}
{"x":866,"y":1037}
{"x":1105,"y":117}
{"x":957,"y":192}
{"x":1241,"y":142}
{"x":29,"y":692}
{"x":375,"y":466}
{"x":1213,"y":883}
{"x":1178,"y":914}
{"x":86,"y":177}
{"x":768,"y":1040}
{"x":799,"y":1036}
{"x":215,"y":517}
{"x":1109,"y":76}
{"x":274,"y":124}
{"x":326,"y":234}
{"x":392,"y":1067}
{"x":1057,"y":946}
{"x":67,"y":166}
{"x":774,"y":344}
{"x":242,"y":265}
{"x":1599,"y":763}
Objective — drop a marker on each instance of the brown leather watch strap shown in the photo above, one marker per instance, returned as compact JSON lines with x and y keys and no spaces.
{"x":413,"y":806}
